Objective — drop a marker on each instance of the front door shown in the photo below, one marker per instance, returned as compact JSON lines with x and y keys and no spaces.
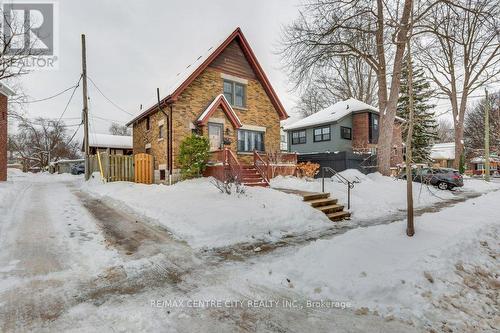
{"x":215,"y":133}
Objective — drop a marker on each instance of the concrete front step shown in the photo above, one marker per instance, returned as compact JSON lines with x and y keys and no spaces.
{"x":322,"y":202}
{"x":330,"y":208}
{"x":338,"y":216}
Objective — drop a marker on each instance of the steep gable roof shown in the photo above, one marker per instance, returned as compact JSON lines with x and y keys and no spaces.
{"x":220,"y":101}
{"x":334,"y":113}
{"x":191,"y":73}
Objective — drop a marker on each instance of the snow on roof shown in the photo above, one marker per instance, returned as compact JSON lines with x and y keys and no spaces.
{"x":332,"y":113}
{"x":443,"y":151}
{"x":481,"y":159}
{"x":202,"y":60}
{"x":110,"y":141}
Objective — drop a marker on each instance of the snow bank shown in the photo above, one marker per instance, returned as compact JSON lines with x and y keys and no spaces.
{"x":379,"y":267}
{"x":196,"y":211}
{"x":40,"y":177}
{"x":375,"y":196}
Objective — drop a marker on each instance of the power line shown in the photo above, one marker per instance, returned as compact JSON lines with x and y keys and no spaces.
{"x":50,"y":97}
{"x":70,"y":98}
{"x":108,"y":99}
{"x":73,"y":136}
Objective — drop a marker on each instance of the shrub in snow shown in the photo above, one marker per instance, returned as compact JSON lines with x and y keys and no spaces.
{"x":193,"y":156}
{"x":227,"y":186}
{"x":307,"y":170}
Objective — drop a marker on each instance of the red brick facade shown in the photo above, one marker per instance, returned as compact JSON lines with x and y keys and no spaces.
{"x":361,"y":137}
{"x":360,"y":129}
{"x":3,"y":137}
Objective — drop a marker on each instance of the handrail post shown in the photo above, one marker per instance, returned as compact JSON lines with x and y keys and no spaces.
{"x":348,"y":196}
{"x":323,"y":180}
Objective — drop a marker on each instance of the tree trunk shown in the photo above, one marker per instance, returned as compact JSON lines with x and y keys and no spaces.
{"x":459,"y":146}
{"x":388,"y":114}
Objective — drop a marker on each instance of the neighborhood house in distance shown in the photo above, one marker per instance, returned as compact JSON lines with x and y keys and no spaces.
{"x":107,"y":143}
{"x":225,"y":96}
{"x":346,"y":126}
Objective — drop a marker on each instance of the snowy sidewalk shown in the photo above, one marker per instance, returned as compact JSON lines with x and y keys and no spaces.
{"x":425,"y":278}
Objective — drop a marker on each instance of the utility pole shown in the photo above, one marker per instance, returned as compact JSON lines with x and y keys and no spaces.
{"x":410,"y":228}
{"x":487,"y":138}
{"x":85,"y":110}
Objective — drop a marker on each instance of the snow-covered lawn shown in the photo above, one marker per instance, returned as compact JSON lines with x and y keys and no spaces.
{"x":376,"y":196}
{"x":380,"y":268}
{"x":197,"y":212}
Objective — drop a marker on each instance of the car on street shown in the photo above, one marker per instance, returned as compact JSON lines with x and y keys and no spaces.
{"x":78,"y":169}
{"x":442,"y":178}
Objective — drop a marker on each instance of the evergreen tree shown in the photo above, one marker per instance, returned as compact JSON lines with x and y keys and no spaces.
{"x":424,"y":125}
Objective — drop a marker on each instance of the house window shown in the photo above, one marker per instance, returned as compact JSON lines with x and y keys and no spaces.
{"x":147,"y":123}
{"x":322,"y":134}
{"x":235,"y":93}
{"x":346,"y":133}
{"x":373,"y":128}
{"x":480,"y":166}
{"x":250,"y":140}
{"x":148,"y":150}
{"x":162,"y":174}
{"x":160,"y":132}
{"x":298,"y":137}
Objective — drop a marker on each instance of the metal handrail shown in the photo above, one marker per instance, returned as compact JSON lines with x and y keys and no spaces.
{"x":343,"y":180}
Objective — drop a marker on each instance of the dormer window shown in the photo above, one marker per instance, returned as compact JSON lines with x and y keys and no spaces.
{"x":235,"y":93}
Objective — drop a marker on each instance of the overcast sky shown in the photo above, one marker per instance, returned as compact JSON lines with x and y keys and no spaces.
{"x":133,"y":47}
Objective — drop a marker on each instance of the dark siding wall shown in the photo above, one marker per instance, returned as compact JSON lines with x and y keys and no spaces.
{"x":233,"y":61}
{"x":341,"y":161}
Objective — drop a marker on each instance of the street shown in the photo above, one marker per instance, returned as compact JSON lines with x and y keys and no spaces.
{"x":70,"y":262}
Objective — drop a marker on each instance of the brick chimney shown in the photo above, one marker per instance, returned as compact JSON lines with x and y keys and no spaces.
{"x":5,"y":92}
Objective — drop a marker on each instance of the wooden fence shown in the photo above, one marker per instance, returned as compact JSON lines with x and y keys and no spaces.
{"x":143,"y":168}
{"x":113,"y":167}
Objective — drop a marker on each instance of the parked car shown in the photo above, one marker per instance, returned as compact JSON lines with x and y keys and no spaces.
{"x":78,"y":169}
{"x":443,"y":178}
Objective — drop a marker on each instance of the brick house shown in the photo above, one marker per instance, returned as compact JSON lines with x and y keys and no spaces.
{"x":5,"y":92}
{"x":346,"y":126}
{"x":225,"y":96}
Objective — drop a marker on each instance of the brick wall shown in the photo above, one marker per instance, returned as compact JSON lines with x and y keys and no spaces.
{"x":193,"y":101}
{"x":360,"y":136}
{"x":3,"y":137}
{"x":360,"y":130}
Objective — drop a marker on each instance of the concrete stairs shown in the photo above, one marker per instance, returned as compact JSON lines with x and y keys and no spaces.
{"x":251,"y":177}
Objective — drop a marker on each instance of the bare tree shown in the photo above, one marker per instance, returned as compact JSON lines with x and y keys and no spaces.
{"x":474,"y":126}
{"x":337,"y":80}
{"x":117,"y":129}
{"x":40,"y":141}
{"x":375,"y":32}
{"x":460,"y":49}
{"x":13,"y":57}
{"x":445,"y":131}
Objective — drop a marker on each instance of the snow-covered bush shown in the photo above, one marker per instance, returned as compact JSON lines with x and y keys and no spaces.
{"x":193,"y":156}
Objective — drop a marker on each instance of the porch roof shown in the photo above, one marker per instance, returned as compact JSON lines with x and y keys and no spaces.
{"x":220,"y":101}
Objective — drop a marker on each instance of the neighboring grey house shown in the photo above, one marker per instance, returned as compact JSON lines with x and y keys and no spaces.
{"x":346,"y":126}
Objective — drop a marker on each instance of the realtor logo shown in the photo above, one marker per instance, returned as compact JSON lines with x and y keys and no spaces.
{"x":30,"y":34}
